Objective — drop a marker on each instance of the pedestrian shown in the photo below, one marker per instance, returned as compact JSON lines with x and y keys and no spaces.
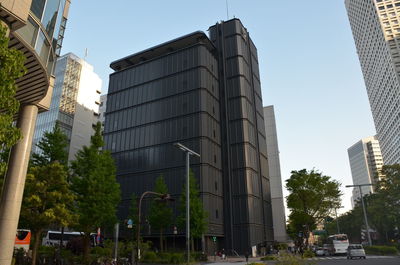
{"x":223,"y":254}
{"x":246,"y":255}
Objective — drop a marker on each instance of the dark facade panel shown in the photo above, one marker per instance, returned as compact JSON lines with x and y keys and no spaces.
{"x":205,"y":94}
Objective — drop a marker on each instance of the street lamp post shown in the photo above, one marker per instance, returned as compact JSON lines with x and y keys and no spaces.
{"x":164,"y":197}
{"x":188,"y":153}
{"x":363,"y":207}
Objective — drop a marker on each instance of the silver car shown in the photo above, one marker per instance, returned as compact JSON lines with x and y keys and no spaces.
{"x":355,"y":251}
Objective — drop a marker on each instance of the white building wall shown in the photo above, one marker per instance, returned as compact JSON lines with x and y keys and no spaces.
{"x":365,"y":163}
{"x":87,"y":108}
{"x":278,"y":208}
{"x":376,"y":30}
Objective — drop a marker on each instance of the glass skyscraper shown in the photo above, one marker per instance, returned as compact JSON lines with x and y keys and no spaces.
{"x":205,"y":93}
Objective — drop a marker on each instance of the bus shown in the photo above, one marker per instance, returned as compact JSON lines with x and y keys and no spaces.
{"x":53,"y":238}
{"x":23,"y":239}
{"x":337,"y":244}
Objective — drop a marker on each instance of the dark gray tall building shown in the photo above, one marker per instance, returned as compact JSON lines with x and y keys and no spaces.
{"x":204,"y":93}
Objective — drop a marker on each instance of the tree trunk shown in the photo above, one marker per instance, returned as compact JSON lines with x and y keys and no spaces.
{"x":86,"y":248}
{"x":161,"y":240}
{"x":36,"y":244}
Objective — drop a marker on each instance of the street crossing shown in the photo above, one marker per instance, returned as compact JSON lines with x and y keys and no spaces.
{"x":344,"y":257}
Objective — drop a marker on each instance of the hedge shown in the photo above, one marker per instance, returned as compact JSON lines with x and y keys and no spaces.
{"x":381,"y":250}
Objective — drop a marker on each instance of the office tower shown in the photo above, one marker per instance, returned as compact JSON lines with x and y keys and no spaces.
{"x":365,"y":162}
{"x":274,"y":168}
{"x":36,"y":28}
{"x":376,"y":31}
{"x":74,"y":104}
{"x":204,"y":93}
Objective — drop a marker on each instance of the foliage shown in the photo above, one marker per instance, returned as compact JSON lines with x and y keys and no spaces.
{"x":149,"y":257}
{"x":133,"y":214}
{"x":350,"y":224}
{"x":160,"y":216}
{"x":312,"y":196}
{"x":53,"y":148}
{"x":97,"y":191}
{"x":270,"y":257}
{"x":308,"y":254}
{"x":288,"y":259}
{"x":46,"y":202}
{"x":11,"y":68}
{"x":198,"y":217}
{"x":381,"y":250}
{"x":386,"y":196}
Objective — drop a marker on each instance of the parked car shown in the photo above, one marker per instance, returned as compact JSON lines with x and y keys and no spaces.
{"x":355,"y":251}
{"x":320,"y":252}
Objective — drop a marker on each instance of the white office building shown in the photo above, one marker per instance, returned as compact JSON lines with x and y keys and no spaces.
{"x":376,"y":29}
{"x":365,"y":162}
{"x":74,"y":103}
{"x":274,"y":167}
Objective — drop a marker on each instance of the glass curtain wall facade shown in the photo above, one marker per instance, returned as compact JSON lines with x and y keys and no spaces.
{"x":247,"y":196}
{"x":176,"y":92}
{"x":45,"y":28}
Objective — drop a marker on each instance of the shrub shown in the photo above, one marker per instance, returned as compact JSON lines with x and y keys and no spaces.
{"x":289,"y":259}
{"x":269,"y":257}
{"x":256,"y":263}
{"x":164,"y":257}
{"x":198,"y":256}
{"x":308,"y":254}
{"x":149,"y":256}
{"x":177,"y":258}
{"x":381,"y":250}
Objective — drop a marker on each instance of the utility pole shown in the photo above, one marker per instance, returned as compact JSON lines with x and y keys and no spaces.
{"x":188,"y":153}
{"x":364,"y":210}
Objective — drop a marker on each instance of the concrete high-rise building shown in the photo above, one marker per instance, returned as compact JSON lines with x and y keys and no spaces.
{"x":36,"y":28}
{"x":376,"y":31}
{"x":274,"y":168}
{"x":365,"y":162}
{"x":74,"y":104}
{"x":204,"y":93}
{"x":102,"y":109}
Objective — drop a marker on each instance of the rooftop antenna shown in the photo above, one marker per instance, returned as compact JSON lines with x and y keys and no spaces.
{"x":86,"y":54}
{"x":227,"y":10}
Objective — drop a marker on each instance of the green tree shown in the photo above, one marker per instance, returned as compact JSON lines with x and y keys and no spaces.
{"x":198,"y":217}
{"x":96,"y":188}
{"x":160,"y":215}
{"x":46,"y":202}
{"x":11,"y":68}
{"x":312,"y":196}
{"x":53,"y":147}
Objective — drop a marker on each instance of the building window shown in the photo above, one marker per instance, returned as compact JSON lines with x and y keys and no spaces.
{"x":216,"y":214}
{"x":215,"y":159}
{"x":216,"y":185}
{"x":214,"y":133}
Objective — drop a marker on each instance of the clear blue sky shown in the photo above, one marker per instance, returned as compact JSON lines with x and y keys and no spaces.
{"x":308,"y":65}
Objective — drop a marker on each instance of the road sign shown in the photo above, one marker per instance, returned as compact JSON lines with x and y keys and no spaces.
{"x":214,"y":238}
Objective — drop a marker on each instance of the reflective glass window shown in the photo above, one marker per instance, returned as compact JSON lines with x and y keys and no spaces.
{"x":59,"y":19}
{"x":29,"y":32}
{"x":50,"y":16}
{"x":37,"y":8}
{"x":42,"y":47}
